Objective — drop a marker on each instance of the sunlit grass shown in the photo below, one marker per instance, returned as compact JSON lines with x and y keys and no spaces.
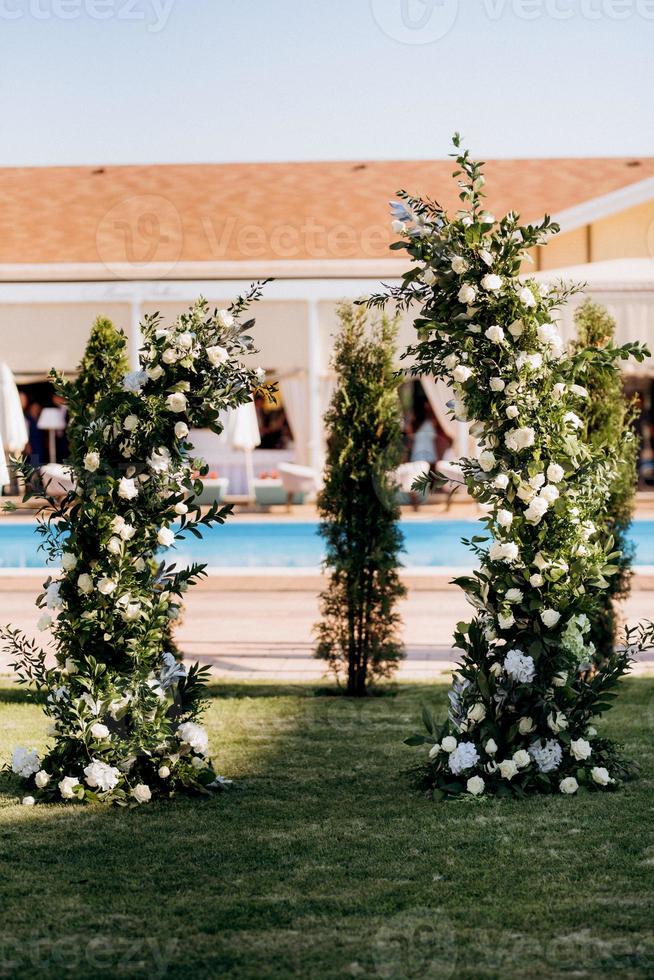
{"x":323,"y":862}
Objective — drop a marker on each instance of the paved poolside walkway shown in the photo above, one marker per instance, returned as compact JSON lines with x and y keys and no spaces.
{"x":266,"y":634}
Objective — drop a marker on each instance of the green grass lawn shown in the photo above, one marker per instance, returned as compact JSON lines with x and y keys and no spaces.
{"x":323,"y":862}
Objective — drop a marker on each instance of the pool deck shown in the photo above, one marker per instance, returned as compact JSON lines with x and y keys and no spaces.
{"x":267,"y":635}
{"x":256,"y":624}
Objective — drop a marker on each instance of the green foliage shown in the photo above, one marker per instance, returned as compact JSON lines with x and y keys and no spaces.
{"x":122,"y":708}
{"x":103,"y":365}
{"x":608,"y":419}
{"x":526,"y":691}
{"x":358,"y":506}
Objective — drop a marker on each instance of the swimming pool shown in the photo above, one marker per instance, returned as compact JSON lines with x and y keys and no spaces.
{"x":295,"y":544}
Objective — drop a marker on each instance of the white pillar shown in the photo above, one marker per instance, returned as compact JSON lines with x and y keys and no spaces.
{"x":314,"y":406}
{"x":134,"y":336}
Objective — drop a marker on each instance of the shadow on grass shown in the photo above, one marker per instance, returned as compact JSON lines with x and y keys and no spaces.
{"x":322,"y":862}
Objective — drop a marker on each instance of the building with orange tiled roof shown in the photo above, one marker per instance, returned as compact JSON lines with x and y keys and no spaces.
{"x":77,"y":241}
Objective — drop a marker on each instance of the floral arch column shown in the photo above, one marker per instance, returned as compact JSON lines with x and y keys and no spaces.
{"x":529,"y":683}
{"x":123,"y":710}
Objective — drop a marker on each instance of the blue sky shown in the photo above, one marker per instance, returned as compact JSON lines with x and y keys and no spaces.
{"x":136,"y":81}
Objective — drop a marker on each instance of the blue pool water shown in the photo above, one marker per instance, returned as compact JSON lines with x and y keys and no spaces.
{"x":269,"y":543}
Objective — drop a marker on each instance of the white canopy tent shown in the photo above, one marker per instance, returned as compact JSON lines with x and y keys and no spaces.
{"x":626,"y":288}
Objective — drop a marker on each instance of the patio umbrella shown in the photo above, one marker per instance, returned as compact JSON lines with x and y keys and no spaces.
{"x":13,"y":428}
{"x":244,"y":434}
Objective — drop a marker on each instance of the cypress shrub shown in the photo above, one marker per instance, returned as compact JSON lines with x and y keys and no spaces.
{"x":358,"y":633}
{"x":608,"y":418}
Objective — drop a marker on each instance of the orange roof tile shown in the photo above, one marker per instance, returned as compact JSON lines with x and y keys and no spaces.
{"x":267,"y":211}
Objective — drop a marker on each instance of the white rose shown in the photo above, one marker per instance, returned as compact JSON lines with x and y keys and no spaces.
{"x":558,"y":390}
{"x":573,"y":420}
{"x":521,"y":758}
{"x":181,"y":508}
{"x":600,"y":775}
{"x":131,"y":612}
{"x":540,"y":561}
{"x":526,"y":297}
{"x":169,"y":356}
{"x":450,"y":361}
{"x":163,"y":772}
{"x":461,"y":373}
{"x":557,"y":722}
{"x":555,"y":473}
{"x":67,"y":787}
{"x":512,"y":412}
{"x":217,"y":355}
{"x":181,"y":430}
{"x":165,"y":536}
{"x":114,"y":545}
{"x":185,"y":340}
{"x":569,"y":785}
{"x":225,"y":318}
{"x":176,"y":402}
{"x":501,"y":481}
{"x":495,"y":334}
{"x":198,"y":763}
{"x":28,"y":801}
{"x":449,"y":743}
{"x":434,"y":750}
{"x":549,"y":493}
{"x":475,"y":785}
{"x":85,"y":584}
{"x":92,"y":462}
{"x":536,"y":510}
{"x":491,"y":282}
{"x":504,"y":518}
{"x":193,"y":735}
{"x":42,"y":779}
{"x":580,"y":748}
{"x":497,"y":384}
{"x":514,"y":595}
{"x":487,"y":461}
{"x":154,"y":373}
{"x":496,"y":670}
{"x":506,"y":620}
{"x":550,"y":617}
{"x":131,"y":423}
{"x":142,"y":793}
{"x":99,"y":730}
{"x":428,"y":276}
{"x":537,"y":481}
{"x":491,"y":746}
{"x":579,"y":390}
{"x":107,"y":585}
{"x":68,"y":561}
{"x":486,"y":256}
{"x":526,"y":725}
{"x":536,"y":580}
{"x":508,"y":769}
{"x":467,"y":294}
{"x":517,"y":328}
{"x":477,"y":712}
{"x":44,"y":622}
{"x":127,"y":489}
{"x":459,"y":265}
{"x":519,"y":439}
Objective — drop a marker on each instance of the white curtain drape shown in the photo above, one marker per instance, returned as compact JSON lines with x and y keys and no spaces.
{"x":295,"y":397}
{"x":4,"y":472}
{"x":13,"y":428}
{"x":438,"y":395}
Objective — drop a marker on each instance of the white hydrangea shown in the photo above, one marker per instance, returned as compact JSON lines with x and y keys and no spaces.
{"x":546,"y":754}
{"x":99,"y":775}
{"x":520,"y":666}
{"x":464,"y":756}
{"x":25,"y":762}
